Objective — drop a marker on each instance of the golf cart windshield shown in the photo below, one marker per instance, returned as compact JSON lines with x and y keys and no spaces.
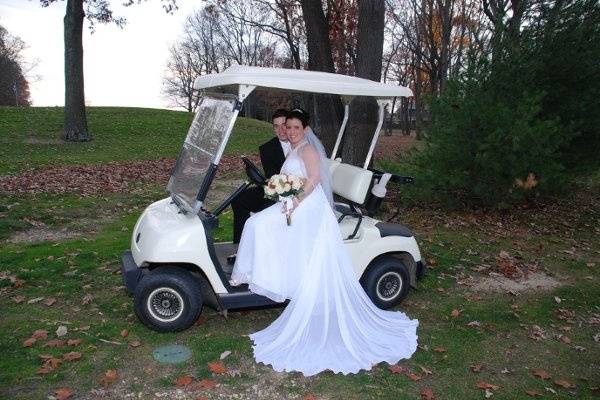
{"x":203,"y":143}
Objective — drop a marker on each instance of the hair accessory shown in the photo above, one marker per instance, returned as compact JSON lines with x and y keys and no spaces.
{"x":298,"y":110}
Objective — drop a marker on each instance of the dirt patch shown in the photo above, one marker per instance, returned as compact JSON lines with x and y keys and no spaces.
{"x":41,"y":232}
{"x":537,"y":281}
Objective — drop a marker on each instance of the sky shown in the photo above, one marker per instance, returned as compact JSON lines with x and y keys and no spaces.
{"x":122,"y":67}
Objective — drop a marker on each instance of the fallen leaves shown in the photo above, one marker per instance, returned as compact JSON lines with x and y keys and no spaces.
{"x":455,"y":313}
{"x":565,"y":339}
{"x":108,"y":177}
{"x":427,"y":394}
{"x":485,"y":385}
{"x":565,"y":315}
{"x":29,"y":342}
{"x":54,"y":343}
{"x":50,"y":301}
{"x":540,"y":373}
{"x":61,"y":331}
{"x":439,"y":349}
{"x":183,"y":381}
{"x":537,"y":333}
{"x":397,"y":369}
{"x":72,"y":356}
{"x":508,"y":266}
{"x":563,"y":383}
{"x":533,"y":393}
{"x":74,"y":342}
{"x":109,"y":377}
{"x":35,"y":300}
{"x":87,"y":299}
{"x":135,"y":344}
{"x":425,"y":370}
{"x":217,"y":367}
{"x":18,"y":299}
{"x":207,"y":384}
{"x":124,"y":333}
{"x":476,"y":368}
{"x":40,"y":334}
{"x":63,"y":393}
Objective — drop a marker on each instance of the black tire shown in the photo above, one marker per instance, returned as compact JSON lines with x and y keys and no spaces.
{"x":168,"y":299}
{"x":386,"y":281}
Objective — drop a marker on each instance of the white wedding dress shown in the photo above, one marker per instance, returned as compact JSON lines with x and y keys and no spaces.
{"x":329,"y":323}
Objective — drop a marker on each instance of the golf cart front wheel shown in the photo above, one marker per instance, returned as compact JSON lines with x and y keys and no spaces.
{"x":386,"y":282}
{"x":168,"y":300}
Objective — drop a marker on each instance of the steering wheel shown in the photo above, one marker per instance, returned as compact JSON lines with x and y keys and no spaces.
{"x":254,"y":173}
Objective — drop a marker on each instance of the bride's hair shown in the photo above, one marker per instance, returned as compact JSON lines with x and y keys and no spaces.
{"x":299,"y":114}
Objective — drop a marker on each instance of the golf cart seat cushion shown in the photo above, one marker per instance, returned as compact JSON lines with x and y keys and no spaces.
{"x":350,"y":182}
{"x":333,"y":164}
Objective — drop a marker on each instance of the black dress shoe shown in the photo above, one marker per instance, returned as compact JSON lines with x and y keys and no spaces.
{"x":231,"y":258}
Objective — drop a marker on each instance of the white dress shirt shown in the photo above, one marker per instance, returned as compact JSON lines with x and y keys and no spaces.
{"x":286,"y":147}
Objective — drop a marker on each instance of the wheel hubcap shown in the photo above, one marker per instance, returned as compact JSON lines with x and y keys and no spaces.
{"x":389,"y":286}
{"x":165,"y":304}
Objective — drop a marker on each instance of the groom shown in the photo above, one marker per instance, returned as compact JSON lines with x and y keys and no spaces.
{"x":272,"y":156}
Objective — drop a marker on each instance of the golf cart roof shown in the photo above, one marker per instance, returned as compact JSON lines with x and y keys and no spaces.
{"x":301,"y":81}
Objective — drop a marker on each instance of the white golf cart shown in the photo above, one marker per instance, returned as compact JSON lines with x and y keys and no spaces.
{"x":174,"y":267}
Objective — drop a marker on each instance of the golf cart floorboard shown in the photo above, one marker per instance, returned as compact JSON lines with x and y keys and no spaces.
{"x":224,"y":250}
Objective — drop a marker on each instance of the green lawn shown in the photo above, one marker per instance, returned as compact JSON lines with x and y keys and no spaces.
{"x":508,"y":335}
{"x":30,"y":137}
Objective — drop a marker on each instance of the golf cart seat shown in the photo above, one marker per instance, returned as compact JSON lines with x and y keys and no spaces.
{"x":352,"y":184}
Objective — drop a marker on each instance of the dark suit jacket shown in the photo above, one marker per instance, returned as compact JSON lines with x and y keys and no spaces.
{"x":271,"y":157}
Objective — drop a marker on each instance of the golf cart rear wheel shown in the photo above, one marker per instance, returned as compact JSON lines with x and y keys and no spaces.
{"x":386,"y":281}
{"x":168,"y":300}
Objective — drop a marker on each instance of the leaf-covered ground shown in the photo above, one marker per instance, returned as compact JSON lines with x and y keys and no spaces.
{"x":510,"y":308}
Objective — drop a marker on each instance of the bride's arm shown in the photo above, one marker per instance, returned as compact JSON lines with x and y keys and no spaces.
{"x":311,"y":159}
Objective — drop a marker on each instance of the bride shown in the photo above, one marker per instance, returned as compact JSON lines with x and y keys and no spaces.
{"x":329,"y":323}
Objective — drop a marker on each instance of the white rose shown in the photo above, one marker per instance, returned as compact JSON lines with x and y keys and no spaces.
{"x":296,"y":183}
{"x":279,"y":187}
{"x":269,"y":191}
{"x":287,"y":187}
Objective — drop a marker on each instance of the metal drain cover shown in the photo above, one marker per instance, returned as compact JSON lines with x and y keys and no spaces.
{"x":172,"y":354}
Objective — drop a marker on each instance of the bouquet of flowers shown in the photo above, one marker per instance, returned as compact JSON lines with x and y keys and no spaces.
{"x":283,"y":188}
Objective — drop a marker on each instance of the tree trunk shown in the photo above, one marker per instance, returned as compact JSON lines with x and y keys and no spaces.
{"x":76,"y":129}
{"x":328,"y":109}
{"x":369,"y":56}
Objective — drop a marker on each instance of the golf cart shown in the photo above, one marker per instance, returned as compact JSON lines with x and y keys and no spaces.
{"x":174,"y":267}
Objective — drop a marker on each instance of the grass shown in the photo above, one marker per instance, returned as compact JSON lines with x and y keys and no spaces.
{"x":82,"y":274}
{"x":31,"y":137}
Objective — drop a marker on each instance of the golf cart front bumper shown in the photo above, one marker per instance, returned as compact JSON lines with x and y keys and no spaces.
{"x":130,"y":271}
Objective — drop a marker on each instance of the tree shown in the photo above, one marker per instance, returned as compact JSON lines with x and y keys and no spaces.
{"x":326,"y":110}
{"x":14,"y":87}
{"x":369,"y":54}
{"x":96,"y":11}
{"x":178,"y":83}
{"x":280,"y":18}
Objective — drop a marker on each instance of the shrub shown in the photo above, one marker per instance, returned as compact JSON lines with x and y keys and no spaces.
{"x":487,"y":144}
